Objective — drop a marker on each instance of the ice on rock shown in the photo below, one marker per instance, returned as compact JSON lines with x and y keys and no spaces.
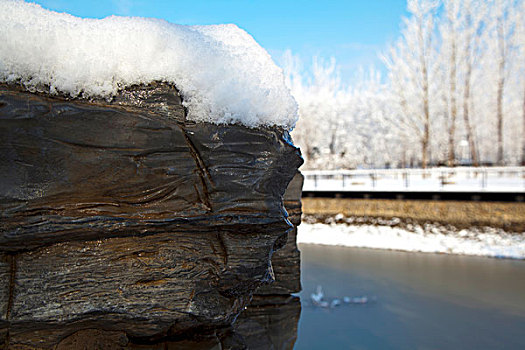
{"x":224,"y":76}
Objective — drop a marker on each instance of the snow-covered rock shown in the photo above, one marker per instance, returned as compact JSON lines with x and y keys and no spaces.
{"x":223,"y":75}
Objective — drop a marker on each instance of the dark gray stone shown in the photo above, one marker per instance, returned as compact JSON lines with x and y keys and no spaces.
{"x":270,"y":322}
{"x":271,"y":319}
{"x":124,"y":216}
{"x":286,"y":261}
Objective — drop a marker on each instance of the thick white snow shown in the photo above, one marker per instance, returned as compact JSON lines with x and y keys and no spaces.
{"x":429,"y":239}
{"x":223,"y":75}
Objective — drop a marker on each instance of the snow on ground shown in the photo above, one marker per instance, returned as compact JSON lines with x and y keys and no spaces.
{"x":486,"y":241}
{"x":224,"y":76}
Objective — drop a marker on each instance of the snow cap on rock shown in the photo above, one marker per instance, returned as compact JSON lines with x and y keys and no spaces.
{"x":223,"y":75}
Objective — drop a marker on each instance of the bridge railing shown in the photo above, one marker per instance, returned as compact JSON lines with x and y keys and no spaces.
{"x":469,"y":179}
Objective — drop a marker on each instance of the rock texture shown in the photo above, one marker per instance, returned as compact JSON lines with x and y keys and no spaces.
{"x":286,"y":261}
{"x":123,"y":216}
{"x":270,"y":321}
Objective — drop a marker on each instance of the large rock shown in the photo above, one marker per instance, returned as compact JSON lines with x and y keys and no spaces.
{"x":270,"y":322}
{"x":286,"y":261}
{"x":271,"y":319}
{"x":123,"y":216}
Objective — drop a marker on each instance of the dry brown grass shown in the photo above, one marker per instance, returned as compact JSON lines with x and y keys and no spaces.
{"x":509,"y":216}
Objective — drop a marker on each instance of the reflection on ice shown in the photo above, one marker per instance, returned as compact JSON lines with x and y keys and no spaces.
{"x":318,"y":296}
{"x":318,"y":299}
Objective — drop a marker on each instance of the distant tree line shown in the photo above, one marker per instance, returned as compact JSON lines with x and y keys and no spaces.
{"x":455,"y":93}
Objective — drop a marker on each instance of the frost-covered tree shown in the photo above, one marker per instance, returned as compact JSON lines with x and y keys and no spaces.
{"x":499,"y":77}
{"x":473,"y":22}
{"x":450,"y":33}
{"x":321,"y":99}
{"x":341,"y":126}
{"x":455,"y":90}
{"x":501,"y":12}
{"x":410,"y":63}
{"x":461,"y":27}
{"x":520,"y":69}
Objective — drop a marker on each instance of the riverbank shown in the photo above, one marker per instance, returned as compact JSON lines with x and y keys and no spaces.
{"x":460,"y":214}
{"x":428,"y":238}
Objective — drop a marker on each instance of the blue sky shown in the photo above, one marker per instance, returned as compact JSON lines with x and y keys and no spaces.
{"x":352,"y":31}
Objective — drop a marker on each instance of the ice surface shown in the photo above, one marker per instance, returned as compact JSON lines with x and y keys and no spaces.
{"x":431,"y":239}
{"x":223,"y":75}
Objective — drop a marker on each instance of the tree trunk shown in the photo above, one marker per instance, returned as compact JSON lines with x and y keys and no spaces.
{"x":453,"y":107}
{"x":426,"y":132}
{"x":426,"y":106}
{"x":523,"y":131}
{"x":501,"y":85}
{"x":331,"y":146}
{"x":466,"y":117}
{"x":425,"y":141}
{"x":466,"y":102}
{"x":499,"y":115}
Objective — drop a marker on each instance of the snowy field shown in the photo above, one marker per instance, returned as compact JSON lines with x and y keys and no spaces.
{"x":485,"y":241}
{"x":460,"y":179}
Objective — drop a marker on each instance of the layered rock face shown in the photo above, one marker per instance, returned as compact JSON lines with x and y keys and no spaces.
{"x":269,"y":322}
{"x":124,"y":217}
{"x":287,"y":260}
{"x":271,"y":319}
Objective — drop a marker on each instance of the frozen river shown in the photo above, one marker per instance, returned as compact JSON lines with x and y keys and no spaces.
{"x":416,"y":300}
